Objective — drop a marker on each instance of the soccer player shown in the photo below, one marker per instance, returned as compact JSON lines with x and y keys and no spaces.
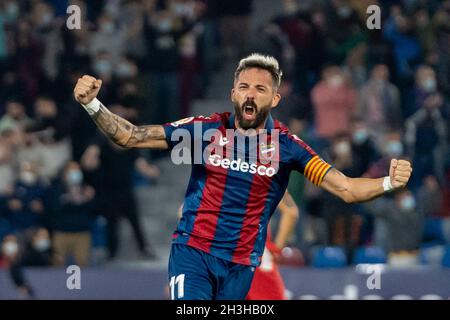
{"x":235,"y":184}
{"x":267,"y":282}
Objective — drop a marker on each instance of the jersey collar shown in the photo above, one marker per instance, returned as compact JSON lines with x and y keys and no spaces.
{"x":269,"y":122}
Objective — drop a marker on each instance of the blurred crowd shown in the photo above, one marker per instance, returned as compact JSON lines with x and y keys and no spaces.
{"x":359,"y":97}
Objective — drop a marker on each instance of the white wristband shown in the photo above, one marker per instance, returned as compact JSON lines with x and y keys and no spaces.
{"x":92,"y":107}
{"x":387,"y":185}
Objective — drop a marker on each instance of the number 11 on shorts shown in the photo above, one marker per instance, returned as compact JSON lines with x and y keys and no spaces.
{"x":179,"y":282}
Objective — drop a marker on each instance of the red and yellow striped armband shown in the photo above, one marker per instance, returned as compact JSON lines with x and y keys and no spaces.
{"x":315,"y":170}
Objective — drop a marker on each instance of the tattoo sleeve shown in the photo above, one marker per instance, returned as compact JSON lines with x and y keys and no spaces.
{"x":126,"y":134}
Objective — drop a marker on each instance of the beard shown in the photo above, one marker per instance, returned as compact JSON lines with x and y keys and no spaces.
{"x":260,"y":115}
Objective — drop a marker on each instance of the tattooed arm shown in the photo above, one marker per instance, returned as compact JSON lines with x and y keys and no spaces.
{"x":126,"y":134}
{"x":117,"y":129}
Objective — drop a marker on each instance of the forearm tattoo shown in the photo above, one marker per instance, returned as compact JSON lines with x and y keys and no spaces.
{"x":144,"y":133}
{"x":122,"y":132}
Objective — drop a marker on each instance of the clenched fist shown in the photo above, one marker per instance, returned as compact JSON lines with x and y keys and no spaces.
{"x":86,"y":89}
{"x":400,"y":172}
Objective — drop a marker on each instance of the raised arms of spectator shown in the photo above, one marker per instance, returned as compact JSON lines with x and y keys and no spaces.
{"x":117,"y":129}
{"x":364,"y":189}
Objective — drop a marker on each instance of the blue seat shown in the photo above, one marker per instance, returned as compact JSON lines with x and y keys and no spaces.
{"x":5,"y":228}
{"x":370,"y":254}
{"x":98,"y":232}
{"x":329,"y":257}
{"x":431,"y":253}
{"x":446,"y":257}
{"x":433,"y":230}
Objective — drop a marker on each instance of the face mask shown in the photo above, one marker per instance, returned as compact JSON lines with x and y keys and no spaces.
{"x":165,"y":25}
{"x":103,"y":67}
{"x":394,"y":149}
{"x":179,"y":9}
{"x":107,"y":27}
{"x":10,"y":248}
{"x":74,"y":177}
{"x":46,"y":19}
{"x":429,"y":85}
{"x":336,"y":81}
{"x":12,"y":10}
{"x":28,"y":178}
{"x":360,"y":136}
{"x":344,"y":12}
{"x":42,"y":244}
{"x":291,"y":7}
{"x":408,"y":203}
{"x":124,"y":70}
{"x":342,"y":149}
{"x":379,"y":83}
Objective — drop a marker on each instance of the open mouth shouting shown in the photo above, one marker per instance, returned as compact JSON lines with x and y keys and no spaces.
{"x":249,"y":115}
{"x":249,"y":110}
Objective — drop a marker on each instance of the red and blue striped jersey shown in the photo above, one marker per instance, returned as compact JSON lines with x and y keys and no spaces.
{"x":232,"y":195}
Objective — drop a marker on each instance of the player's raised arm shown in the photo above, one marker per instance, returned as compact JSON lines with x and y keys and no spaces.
{"x":117,"y":129}
{"x":363,"y":189}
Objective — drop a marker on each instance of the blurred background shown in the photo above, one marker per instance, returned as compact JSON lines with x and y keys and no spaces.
{"x":359,"y":97}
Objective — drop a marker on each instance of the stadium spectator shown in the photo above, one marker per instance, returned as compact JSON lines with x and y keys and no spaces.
{"x":392,"y":146}
{"x":340,"y":217}
{"x":363,"y":145}
{"x":399,"y":31}
{"x":51,"y":129}
{"x":109,"y":37}
{"x":234,"y":26}
{"x":398,"y":227}
{"x":25,"y":208}
{"x":71,"y":206}
{"x":38,"y":249}
{"x":379,"y":103}
{"x":334,"y":101}
{"x":426,"y":133}
{"x":7,"y":173}
{"x":11,"y":252}
{"x":14,"y":117}
{"x":112,"y":168}
{"x":163,"y":31}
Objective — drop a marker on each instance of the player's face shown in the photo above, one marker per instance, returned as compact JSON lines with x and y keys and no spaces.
{"x":253,"y":96}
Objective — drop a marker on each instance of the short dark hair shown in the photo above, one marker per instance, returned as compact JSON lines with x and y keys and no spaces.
{"x":256,"y":60}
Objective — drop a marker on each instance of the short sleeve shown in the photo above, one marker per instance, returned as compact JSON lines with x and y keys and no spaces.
{"x":175,"y":131}
{"x":307,"y":161}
